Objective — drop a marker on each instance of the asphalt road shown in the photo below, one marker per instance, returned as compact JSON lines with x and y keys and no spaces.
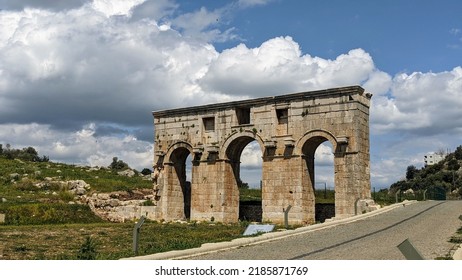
{"x":428,"y":225}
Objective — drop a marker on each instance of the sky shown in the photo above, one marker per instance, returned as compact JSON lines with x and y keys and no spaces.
{"x":79,"y":79}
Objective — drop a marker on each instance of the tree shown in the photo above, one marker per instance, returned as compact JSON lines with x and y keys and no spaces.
{"x":458,"y":153}
{"x":411,"y":172}
{"x":118,"y":164}
{"x":146,"y":171}
{"x":453,"y":164}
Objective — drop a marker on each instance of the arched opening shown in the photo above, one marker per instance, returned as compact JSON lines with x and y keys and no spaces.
{"x":324,"y":183}
{"x":320,"y":166}
{"x":181,"y":161}
{"x":245,"y":157}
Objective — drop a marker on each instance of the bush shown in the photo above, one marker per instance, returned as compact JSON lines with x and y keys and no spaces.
{"x":27,"y":154}
{"x":118,"y":164}
{"x":146,"y":171}
{"x":87,"y":250}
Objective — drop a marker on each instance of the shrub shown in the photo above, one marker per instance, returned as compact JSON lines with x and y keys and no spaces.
{"x":87,"y":250}
{"x":118,"y":164}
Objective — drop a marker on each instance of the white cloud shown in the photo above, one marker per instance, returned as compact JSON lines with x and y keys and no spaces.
{"x":43,"y":4}
{"x":79,"y":66}
{"x":278,"y":66}
{"x":252,"y":3}
{"x":420,"y":104}
{"x":79,"y":147}
{"x":251,"y":157}
{"x":154,"y":9}
{"x":115,"y":7}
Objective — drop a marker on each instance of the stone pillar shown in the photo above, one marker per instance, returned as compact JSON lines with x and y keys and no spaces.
{"x":172,"y":199}
{"x":285,"y":182}
{"x":215,"y":195}
{"x":351,"y":183}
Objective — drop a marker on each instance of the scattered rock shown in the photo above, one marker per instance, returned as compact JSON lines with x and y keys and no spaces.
{"x":409,"y":191}
{"x":78,"y":187}
{"x":4,"y":200}
{"x":128,"y":173}
{"x":14,"y":176}
{"x":120,"y":206}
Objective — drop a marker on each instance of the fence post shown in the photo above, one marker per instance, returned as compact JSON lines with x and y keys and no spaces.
{"x":136,"y":234}
{"x":286,"y":216}
{"x":396,"y":195}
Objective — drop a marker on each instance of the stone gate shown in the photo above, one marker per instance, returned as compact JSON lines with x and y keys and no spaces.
{"x":288,"y":129}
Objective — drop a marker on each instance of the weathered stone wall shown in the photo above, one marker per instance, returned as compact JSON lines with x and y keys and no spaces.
{"x":288,"y":129}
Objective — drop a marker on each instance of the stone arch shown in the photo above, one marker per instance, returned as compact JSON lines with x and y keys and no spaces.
{"x":176,"y":145}
{"x":244,"y":138}
{"x":316,"y":135}
{"x":306,"y":147}
{"x":232,"y":151}
{"x":233,"y":146}
{"x":178,"y":198}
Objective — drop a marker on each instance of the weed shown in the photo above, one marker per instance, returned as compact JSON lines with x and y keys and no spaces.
{"x":20,"y":248}
{"x":87,"y":250}
{"x":456,"y":239}
{"x":148,"y":203}
{"x":66,"y":196}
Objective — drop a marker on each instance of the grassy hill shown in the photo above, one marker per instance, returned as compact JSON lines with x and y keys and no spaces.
{"x":30,"y":192}
{"x":438,"y":180}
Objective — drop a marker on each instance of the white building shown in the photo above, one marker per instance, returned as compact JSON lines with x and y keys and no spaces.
{"x":433,"y":158}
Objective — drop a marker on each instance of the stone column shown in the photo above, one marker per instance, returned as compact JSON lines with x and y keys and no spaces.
{"x":215,"y":195}
{"x":172,"y":199}
{"x":285,"y":182}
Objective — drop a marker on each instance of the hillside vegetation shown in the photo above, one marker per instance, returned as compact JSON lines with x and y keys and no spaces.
{"x":438,"y":181}
{"x":33,"y":189}
{"x":45,"y":219}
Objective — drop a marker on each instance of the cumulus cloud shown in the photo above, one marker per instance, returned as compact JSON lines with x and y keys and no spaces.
{"x":81,"y":65}
{"x":251,"y":157}
{"x":80,"y":146}
{"x":421,"y":104}
{"x":42,"y":4}
{"x":79,"y":81}
{"x":278,"y":66}
{"x":203,"y":25}
{"x":154,"y":9}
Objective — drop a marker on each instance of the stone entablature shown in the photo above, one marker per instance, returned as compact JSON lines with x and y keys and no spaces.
{"x":288,"y":129}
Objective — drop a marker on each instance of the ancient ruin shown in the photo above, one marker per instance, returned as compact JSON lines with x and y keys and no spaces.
{"x":288,"y":129}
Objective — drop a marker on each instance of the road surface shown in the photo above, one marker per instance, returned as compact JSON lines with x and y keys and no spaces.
{"x":428,"y":225}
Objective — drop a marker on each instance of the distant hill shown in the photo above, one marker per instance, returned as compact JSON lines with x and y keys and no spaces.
{"x":443,"y":177}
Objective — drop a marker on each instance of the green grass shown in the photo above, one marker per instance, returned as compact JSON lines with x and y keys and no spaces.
{"x":24,"y":203}
{"x":47,"y":213}
{"x":103,"y":180}
{"x":42,"y":224}
{"x":249,"y":194}
{"x":108,"y":240}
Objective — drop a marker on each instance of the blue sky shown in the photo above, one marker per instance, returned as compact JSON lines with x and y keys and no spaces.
{"x":80,"y":78}
{"x":400,"y":35}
